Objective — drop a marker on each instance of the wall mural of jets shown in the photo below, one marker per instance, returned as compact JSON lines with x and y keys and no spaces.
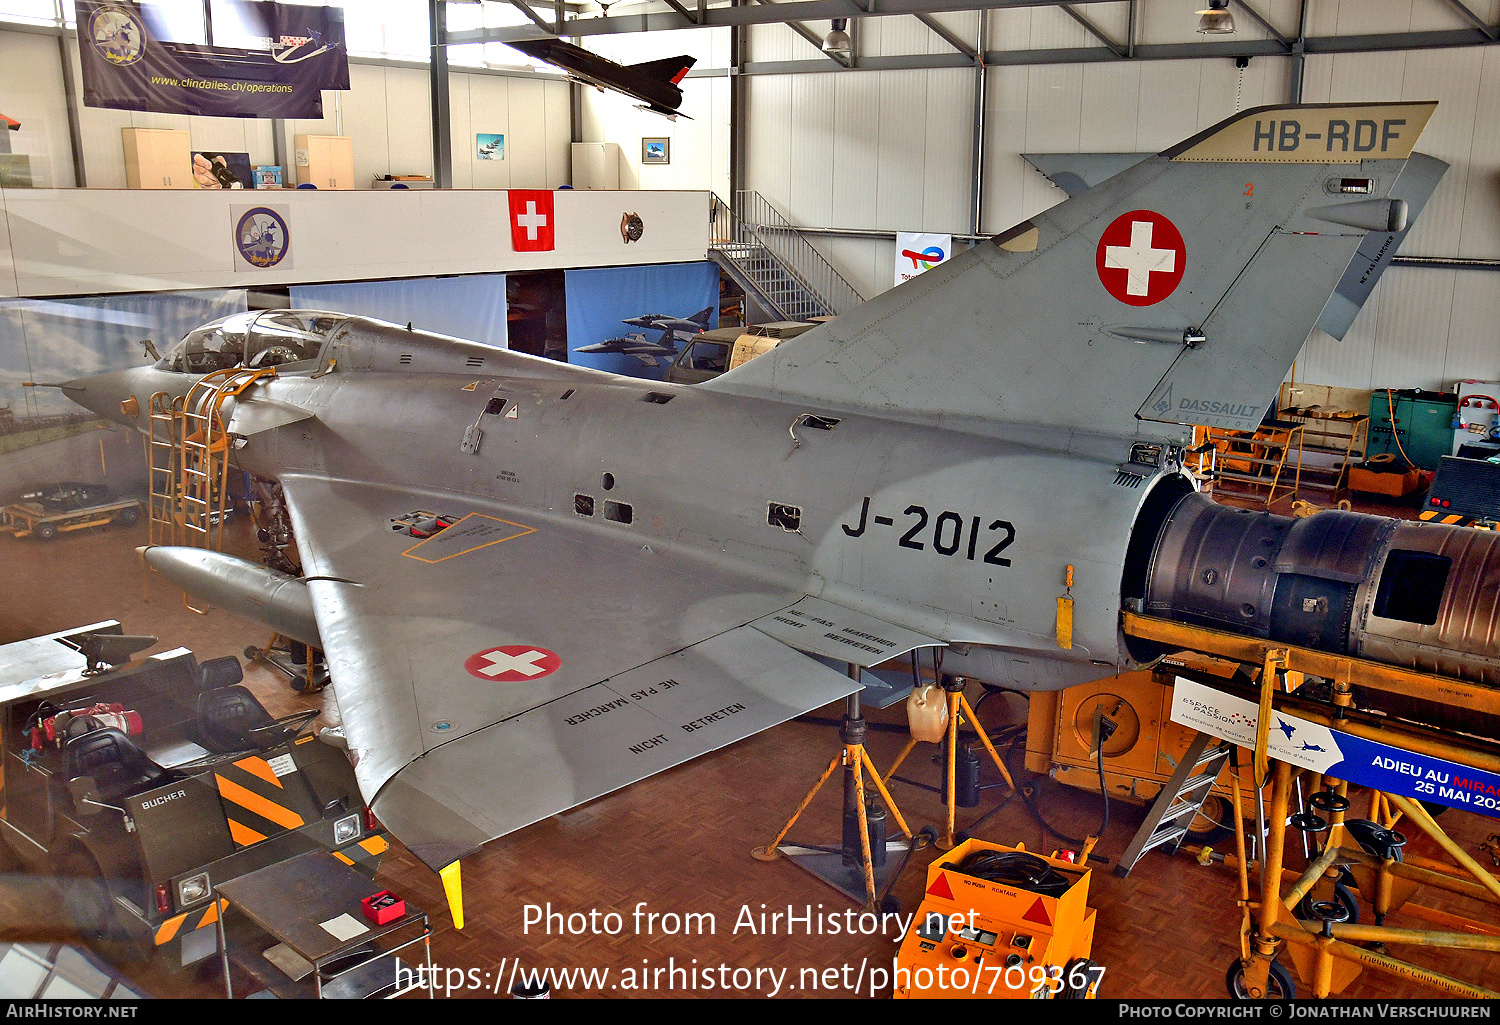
{"x":637,"y":345}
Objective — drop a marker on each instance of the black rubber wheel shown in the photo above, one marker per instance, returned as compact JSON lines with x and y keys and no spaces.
{"x":46,"y":531}
{"x":1342,"y":895}
{"x":1279,"y":985}
{"x":1077,"y":966}
{"x":1213,"y":822}
{"x":252,"y":653}
{"x":128,"y":517}
{"x":90,"y":908}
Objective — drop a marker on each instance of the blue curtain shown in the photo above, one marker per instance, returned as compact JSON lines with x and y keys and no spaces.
{"x":599,"y":301}
{"x":471,"y":306}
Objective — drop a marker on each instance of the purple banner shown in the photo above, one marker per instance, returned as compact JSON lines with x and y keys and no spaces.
{"x":127,"y":67}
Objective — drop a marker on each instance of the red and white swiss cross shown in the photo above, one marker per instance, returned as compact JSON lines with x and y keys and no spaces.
{"x":532,"y":228}
{"x":512,"y":663}
{"x":1141,"y":258}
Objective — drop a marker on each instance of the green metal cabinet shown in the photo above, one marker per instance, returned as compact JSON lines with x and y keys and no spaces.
{"x":1424,"y":424}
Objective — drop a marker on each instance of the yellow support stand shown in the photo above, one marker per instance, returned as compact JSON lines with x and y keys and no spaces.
{"x":453,"y":889}
{"x":830,"y":865}
{"x":958,"y":708}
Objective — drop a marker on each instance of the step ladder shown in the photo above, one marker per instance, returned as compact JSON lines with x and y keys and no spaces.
{"x":187,"y":453}
{"x":1179,"y":801}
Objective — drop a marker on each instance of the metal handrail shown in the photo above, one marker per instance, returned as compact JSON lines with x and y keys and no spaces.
{"x":773,"y":252}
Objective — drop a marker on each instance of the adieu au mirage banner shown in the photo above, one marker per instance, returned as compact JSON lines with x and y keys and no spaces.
{"x":135,"y":57}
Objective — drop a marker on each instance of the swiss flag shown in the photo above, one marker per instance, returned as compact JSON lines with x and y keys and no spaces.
{"x":531,"y":221}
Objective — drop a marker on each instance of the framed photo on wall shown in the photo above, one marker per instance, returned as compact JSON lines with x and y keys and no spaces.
{"x":656,"y":151}
{"x":490,"y":147}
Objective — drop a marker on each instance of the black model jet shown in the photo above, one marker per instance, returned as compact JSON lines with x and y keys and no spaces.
{"x":655,"y":82}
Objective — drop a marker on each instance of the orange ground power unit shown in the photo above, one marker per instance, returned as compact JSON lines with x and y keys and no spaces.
{"x":1000,"y":922}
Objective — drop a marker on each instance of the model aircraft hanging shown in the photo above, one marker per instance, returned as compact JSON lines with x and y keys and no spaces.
{"x":654,"y":82}
{"x":634,"y":573}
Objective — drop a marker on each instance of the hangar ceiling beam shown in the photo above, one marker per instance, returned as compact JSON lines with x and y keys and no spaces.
{"x":1255,"y":16}
{"x":948,"y":37}
{"x":1493,"y":32}
{"x":525,"y":8}
{"x":689,"y":16}
{"x":976,"y":141}
{"x":799,"y":10}
{"x":1299,"y":51}
{"x":1144,"y":51}
{"x":1094,"y":30}
{"x":811,"y":36}
{"x":437,"y":79}
{"x":823,"y":10}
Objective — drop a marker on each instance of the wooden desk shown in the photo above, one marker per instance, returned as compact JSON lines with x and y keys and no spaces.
{"x":289,"y":902}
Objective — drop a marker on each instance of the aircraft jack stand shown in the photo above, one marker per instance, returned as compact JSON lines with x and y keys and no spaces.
{"x":958,"y":708}
{"x":307,"y":677}
{"x":854,"y":869}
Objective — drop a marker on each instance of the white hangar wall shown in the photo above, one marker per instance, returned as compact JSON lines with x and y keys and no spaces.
{"x":890,"y":150}
{"x":699,"y":148}
{"x":386,"y":111}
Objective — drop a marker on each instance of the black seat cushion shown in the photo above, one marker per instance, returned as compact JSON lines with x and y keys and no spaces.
{"x":228,"y":715}
{"x":219,"y":672}
{"x":117,"y":767}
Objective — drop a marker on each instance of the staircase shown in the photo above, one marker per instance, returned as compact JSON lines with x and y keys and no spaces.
{"x":768,"y":257}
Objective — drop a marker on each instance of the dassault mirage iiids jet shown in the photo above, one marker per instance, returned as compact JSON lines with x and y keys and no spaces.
{"x":920,"y":472}
{"x":654,"y":82}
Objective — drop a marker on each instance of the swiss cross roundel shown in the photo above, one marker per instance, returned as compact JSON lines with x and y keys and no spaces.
{"x":1141,"y":258}
{"x":512,"y":663}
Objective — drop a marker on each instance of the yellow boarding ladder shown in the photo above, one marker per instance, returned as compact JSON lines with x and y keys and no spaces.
{"x":187,"y":451}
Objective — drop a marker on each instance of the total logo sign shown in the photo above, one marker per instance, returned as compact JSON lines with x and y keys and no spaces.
{"x":917,"y":253}
{"x":1141,"y":258}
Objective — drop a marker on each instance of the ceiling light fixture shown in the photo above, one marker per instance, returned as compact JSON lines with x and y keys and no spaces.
{"x":1216,"y":20}
{"x":837,"y":43}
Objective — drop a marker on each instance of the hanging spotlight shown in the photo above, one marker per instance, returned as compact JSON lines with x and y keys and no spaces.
{"x":837,"y":43}
{"x":1216,"y":20}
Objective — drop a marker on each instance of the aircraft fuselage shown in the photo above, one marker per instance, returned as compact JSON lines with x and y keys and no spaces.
{"x":966,"y":537}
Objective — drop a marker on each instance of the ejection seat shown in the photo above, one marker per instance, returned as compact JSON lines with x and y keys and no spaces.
{"x":231,"y":719}
{"x":117,"y":767}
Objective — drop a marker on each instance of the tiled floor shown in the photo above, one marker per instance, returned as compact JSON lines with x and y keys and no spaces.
{"x":680,"y":842}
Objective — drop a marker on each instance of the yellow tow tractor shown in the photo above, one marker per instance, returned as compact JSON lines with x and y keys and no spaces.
{"x":68,"y":505}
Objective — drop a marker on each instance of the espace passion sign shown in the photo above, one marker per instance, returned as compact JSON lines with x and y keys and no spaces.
{"x":1340,"y":755}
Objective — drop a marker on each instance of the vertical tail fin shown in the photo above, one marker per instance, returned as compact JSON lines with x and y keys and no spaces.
{"x":668,"y":69}
{"x":1179,"y":290}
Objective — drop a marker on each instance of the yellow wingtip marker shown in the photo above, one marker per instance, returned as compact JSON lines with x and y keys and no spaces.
{"x":454,"y":888}
{"x":1065,"y":614}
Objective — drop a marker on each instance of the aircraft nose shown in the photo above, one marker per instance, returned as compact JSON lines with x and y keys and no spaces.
{"x":111,"y":395}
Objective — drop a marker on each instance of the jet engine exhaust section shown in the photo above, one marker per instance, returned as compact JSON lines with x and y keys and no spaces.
{"x":1419,"y":596}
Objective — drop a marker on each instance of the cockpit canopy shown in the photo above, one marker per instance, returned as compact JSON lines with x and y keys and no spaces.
{"x":260,"y":338}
